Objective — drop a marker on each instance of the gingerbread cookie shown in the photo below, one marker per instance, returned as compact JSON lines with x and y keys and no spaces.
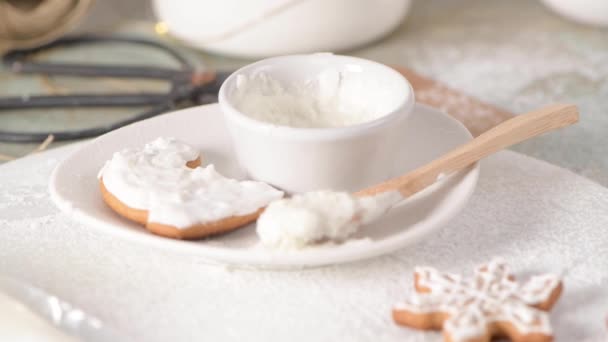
{"x":163,"y":187}
{"x":476,"y":309}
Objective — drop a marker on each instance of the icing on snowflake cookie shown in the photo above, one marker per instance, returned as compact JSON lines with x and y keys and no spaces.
{"x":489,"y":304}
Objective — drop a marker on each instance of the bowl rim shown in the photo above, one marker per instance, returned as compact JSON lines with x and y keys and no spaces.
{"x":401,"y":111}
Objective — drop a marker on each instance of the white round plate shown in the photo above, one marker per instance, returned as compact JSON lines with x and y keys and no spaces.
{"x":74,"y":189}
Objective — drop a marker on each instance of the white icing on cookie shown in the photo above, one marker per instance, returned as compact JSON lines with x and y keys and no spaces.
{"x":491,"y":295}
{"x":155,"y":178}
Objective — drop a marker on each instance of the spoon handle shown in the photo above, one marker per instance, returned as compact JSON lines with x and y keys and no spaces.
{"x":510,"y":132}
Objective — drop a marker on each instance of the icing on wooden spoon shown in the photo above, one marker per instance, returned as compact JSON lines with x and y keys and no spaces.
{"x":326,"y":215}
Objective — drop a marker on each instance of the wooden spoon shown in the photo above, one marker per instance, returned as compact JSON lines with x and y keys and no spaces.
{"x":279,"y":227}
{"x":508,"y":133}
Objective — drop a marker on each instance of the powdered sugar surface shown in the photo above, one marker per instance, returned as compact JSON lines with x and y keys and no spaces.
{"x":561,"y":229}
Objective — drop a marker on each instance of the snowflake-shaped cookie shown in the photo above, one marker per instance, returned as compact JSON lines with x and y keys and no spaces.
{"x":489,"y":304}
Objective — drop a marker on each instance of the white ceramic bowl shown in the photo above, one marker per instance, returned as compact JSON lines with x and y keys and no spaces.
{"x":263,"y":28}
{"x":306,"y":159}
{"x":590,"y":12}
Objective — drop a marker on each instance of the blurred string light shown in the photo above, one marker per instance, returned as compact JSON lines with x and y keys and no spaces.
{"x":161,"y":28}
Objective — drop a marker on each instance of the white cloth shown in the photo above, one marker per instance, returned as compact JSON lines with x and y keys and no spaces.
{"x":540,"y":218}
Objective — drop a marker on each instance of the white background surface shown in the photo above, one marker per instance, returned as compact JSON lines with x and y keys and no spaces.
{"x":539,"y":217}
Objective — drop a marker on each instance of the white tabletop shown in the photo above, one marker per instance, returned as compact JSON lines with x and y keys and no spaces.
{"x":539,"y":217}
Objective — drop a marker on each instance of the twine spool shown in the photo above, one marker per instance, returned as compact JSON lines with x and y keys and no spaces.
{"x":29,"y":23}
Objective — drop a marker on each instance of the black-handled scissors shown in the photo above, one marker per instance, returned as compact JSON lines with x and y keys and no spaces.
{"x":188,"y":86}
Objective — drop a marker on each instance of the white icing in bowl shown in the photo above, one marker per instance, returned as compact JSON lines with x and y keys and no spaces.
{"x":330,"y":98}
{"x":364,"y":105}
